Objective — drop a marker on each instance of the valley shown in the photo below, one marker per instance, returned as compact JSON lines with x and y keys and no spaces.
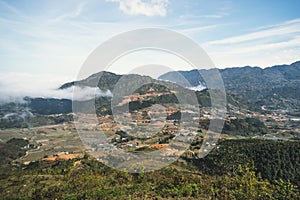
{"x":45,"y":142}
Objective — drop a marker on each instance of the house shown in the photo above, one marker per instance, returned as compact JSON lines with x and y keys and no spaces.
{"x":159,"y":146}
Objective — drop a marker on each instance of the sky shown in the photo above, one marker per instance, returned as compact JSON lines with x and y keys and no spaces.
{"x":47,"y":41}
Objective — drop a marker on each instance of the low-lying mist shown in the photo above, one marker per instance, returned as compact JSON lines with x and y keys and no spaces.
{"x":14,"y":87}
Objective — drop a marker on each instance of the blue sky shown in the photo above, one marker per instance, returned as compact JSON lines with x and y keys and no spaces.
{"x":53,"y":38}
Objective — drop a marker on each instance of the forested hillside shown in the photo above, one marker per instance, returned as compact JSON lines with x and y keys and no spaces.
{"x":275,"y":87}
{"x":237,"y":169}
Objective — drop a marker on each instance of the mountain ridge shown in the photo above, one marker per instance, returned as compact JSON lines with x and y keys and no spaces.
{"x":274,"y":86}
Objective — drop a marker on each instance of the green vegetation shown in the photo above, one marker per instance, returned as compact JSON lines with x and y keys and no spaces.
{"x":276,"y":87}
{"x":50,"y":106}
{"x":36,"y":120}
{"x":271,"y":159}
{"x":245,"y":127}
{"x":213,"y":177}
{"x":235,"y":169}
{"x":12,"y":150}
{"x":239,"y":127}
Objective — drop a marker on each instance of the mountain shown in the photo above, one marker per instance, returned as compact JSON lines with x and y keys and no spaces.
{"x":146,"y":92}
{"x":50,"y":106}
{"x":143,"y":84}
{"x":163,"y":89}
{"x":276,"y":87}
{"x":106,"y":82}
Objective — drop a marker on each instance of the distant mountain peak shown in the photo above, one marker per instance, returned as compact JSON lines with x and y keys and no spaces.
{"x":253,"y":84}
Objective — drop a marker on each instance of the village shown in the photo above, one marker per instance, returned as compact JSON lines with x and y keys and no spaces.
{"x":147,"y":129}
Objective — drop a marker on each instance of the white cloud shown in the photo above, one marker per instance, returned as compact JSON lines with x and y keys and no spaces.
{"x":191,"y":17}
{"x":199,"y":87}
{"x":199,"y":29}
{"x":291,"y":43}
{"x":140,"y":7}
{"x":71,"y":14}
{"x":289,"y":27}
{"x":11,"y":8}
{"x":15,"y":86}
{"x":266,"y":46}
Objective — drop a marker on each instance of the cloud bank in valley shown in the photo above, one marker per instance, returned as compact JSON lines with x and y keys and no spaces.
{"x":14,"y":87}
